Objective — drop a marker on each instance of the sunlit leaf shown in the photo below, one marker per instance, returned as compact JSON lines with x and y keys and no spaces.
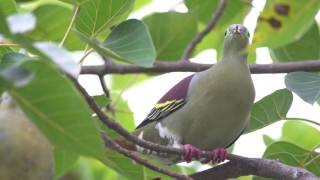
{"x":21,"y":23}
{"x":306,"y":85}
{"x":267,"y":140}
{"x":97,"y":15}
{"x":171,"y":33}
{"x":294,"y":155}
{"x":282,"y":22}
{"x":305,"y":48}
{"x":138,"y":4}
{"x":8,"y":6}
{"x":59,"y":56}
{"x":51,"y":101}
{"x":52,"y":23}
{"x":270,"y":109}
{"x":292,"y":130}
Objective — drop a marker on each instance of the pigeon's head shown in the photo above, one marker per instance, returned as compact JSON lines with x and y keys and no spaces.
{"x":236,"y":37}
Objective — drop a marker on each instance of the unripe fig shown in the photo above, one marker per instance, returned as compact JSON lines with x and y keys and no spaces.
{"x":24,"y":152}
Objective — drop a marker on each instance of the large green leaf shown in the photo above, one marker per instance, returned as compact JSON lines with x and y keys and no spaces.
{"x":270,"y":109}
{"x":140,"y":4}
{"x":235,"y":12}
{"x":8,"y":6}
{"x":282,"y":22}
{"x":63,"y":161}
{"x":52,"y":23}
{"x":306,"y":85}
{"x":294,"y":155}
{"x":51,"y":101}
{"x":130,"y":42}
{"x":305,"y":48}
{"x":171,"y":33}
{"x":292,"y":132}
{"x":97,"y":15}
{"x":45,"y":50}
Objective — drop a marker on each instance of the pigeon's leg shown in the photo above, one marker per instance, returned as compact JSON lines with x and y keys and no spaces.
{"x":189,"y":152}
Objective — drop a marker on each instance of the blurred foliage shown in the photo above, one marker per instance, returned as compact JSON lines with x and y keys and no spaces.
{"x":168,"y":38}
{"x":32,"y":72}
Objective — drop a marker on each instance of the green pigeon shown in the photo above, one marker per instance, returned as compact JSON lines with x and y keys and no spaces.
{"x":208,"y":110}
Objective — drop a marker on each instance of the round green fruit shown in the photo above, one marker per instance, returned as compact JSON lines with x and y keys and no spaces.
{"x":24,"y":152}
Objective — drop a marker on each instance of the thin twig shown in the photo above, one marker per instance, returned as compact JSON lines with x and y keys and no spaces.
{"x":87,"y":52}
{"x":104,"y":86}
{"x":5,"y":44}
{"x":106,"y":92}
{"x":133,"y":155}
{"x":198,"y":38}
{"x":164,"y":67}
{"x":73,"y":19}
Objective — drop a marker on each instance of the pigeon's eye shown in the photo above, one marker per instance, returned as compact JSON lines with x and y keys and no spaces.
{"x":225,"y":33}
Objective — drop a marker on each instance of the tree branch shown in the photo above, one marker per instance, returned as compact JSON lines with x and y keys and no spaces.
{"x":255,"y":166}
{"x":164,"y":67}
{"x":198,"y":38}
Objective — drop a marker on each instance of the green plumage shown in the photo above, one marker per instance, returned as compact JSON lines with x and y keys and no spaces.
{"x":218,"y":102}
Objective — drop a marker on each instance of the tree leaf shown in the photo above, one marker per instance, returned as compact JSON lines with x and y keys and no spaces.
{"x":306,"y":85}
{"x":63,"y":161}
{"x":270,"y":109}
{"x":131,"y":41}
{"x":52,"y":23}
{"x":307,"y":47}
{"x":292,"y":131}
{"x":60,"y":56}
{"x":173,"y":36}
{"x":134,"y":46}
{"x":267,"y":140}
{"x":21,"y":23}
{"x":10,"y":70}
{"x":282,"y":22}
{"x":138,"y":4}
{"x":234,"y":12}
{"x":294,"y":155}
{"x":8,"y":6}
{"x":59,"y":111}
{"x":97,"y":15}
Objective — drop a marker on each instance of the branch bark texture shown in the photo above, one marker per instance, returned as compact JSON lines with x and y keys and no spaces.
{"x":165,"y":67}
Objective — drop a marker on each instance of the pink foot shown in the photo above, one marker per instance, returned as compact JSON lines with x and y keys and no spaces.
{"x":190,"y":152}
{"x":218,"y":155}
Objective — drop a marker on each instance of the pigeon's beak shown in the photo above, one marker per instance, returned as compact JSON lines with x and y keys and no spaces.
{"x":237,"y":30}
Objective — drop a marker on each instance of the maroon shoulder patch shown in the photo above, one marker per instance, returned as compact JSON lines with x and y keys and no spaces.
{"x":179,"y":91}
{"x":170,"y":102}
